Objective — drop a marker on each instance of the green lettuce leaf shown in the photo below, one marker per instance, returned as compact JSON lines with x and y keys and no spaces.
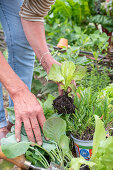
{"x":55,"y":73}
{"x":76,"y":163}
{"x":67,"y":70}
{"x":54,"y":128}
{"x":66,"y":73}
{"x":64,"y":144}
{"x":12,"y":149}
{"x":99,"y":135}
{"x":105,"y":150}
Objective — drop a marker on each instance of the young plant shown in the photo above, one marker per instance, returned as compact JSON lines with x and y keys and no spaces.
{"x":102,"y":156}
{"x":81,"y":123}
{"x":64,"y":74}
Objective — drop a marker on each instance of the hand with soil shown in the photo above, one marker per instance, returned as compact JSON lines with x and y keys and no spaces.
{"x":28,"y":110}
{"x":63,"y":103}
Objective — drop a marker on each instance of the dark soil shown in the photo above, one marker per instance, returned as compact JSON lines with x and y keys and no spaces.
{"x":84,"y":167}
{"x":64,"y":104}
{"x":86,"y":135}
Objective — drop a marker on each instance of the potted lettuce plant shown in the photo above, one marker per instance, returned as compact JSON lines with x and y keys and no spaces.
{"x":102,"y":155}
{"x":81,"y":123}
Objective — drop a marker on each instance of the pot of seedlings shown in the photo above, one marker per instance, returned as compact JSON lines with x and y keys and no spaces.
{"x":102,"y":155}
{"x":81,"y":123}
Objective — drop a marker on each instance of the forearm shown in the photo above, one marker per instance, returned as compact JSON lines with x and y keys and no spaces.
{"x":8,"y":78}
{"x":35,"y":34}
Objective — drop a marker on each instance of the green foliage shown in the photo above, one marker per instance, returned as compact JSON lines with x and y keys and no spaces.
{"x":11,"y":114}
{"x":41,"y":156}
{"x":105,"y":21}
{"x":99,"y":135}
{"x":13,"y":149}
{"x":76,"y":11}
{"x":97,"y":79}
{"x":48,"y":107}
{"x":66,"y":73}
{"x":107,"y":92}
{"x":76,"y":163}
{"x":87,"y":106}
{"x":54,"y":128}
{"x":102,"y":157}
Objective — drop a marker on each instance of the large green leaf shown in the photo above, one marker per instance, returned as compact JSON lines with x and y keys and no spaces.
{"x":13,"y":149}
{"x":49,"y":146}
{"x":67,"y":70}
{"x":55,"y":73}
{"x":54,"y":128}
{"x":64,"y":144}
{"x":99,"y":135}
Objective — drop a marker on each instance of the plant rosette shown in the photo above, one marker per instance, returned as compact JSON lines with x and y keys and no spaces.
{"x":83,"y":147}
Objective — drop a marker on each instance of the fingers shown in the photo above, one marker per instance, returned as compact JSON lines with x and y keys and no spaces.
{"x":60,"y":91}
{"x":74,"y":83}
{"x":36,"y":130}
{"x":18,"y":124}
{"x":28,"y":129}
{"x":41,"y":118}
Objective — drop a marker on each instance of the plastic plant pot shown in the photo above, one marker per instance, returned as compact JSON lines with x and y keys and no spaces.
{"x":83,"y":148}
{"x":62,"y":43}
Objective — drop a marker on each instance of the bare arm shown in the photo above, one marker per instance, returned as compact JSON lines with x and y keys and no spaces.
{"x":27,"y":108}
{"x":35,"y":34}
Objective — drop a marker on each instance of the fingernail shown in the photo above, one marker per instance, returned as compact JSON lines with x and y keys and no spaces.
{"x":17,"y":140}
{"x":39,"y":143}
{"x":33,"y":144}
{"x":47,"y":138}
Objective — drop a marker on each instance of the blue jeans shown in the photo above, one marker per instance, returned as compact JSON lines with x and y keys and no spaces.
{"x":20,"y":55}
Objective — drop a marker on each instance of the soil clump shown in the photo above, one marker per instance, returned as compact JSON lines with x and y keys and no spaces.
{"x":64,"y":104}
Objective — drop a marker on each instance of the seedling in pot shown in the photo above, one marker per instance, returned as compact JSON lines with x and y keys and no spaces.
{"x":102,"y":156}
{"x":64,"y":74}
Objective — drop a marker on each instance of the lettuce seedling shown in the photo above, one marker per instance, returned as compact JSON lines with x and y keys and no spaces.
{"x":65,"y":73}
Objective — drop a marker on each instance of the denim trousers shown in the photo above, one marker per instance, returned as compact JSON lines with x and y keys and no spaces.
{"x":20,"y":55}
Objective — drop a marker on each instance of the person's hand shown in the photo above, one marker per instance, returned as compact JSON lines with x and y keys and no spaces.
{"x":28,"y":110}
{"x":60,"y":90}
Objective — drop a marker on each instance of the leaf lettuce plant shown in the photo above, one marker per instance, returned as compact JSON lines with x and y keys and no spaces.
{"x":102,"y":156}
{"x":65,"y":73}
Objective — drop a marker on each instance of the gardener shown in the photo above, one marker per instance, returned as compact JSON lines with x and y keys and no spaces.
{"x":17,"y":75}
